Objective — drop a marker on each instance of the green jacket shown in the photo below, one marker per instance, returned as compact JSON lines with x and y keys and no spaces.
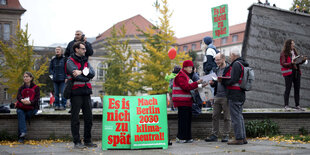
{"x":167,"y":78}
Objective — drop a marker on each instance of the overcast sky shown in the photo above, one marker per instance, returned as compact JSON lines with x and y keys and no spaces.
{"x":55,"y":21}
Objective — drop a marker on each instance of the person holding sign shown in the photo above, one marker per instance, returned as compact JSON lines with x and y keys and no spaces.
{"x":80,"y":71}
{"x":183,"y":100}
{"x":290,"y":62}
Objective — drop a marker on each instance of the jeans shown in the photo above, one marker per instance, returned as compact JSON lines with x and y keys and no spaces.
{"x":59,"y":88}
{"x":77,"y":103}
{"x":22,"y":115}
{"x":220,"y":104}
{"x":293,"y":78}
{"x":184,"y":123}
{"x":237,"y":119}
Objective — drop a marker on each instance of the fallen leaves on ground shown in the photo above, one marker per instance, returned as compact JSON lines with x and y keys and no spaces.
{"x":45,"y":143}
{"x":288,"y":140}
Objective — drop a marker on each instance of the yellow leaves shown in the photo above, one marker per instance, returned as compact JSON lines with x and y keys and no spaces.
{"x":287,"y":140}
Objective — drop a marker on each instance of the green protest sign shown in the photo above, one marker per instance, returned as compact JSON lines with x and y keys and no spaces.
{"x":149,"y":122}
{"x":133,"y":122}
{"x":220,"y":21}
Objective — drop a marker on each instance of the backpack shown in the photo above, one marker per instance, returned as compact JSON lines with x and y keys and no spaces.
{"x":248,"y":78}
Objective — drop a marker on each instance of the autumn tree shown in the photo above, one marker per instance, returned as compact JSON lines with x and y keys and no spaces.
{"x":302,"y":4}
{"x":17,"y":60}
{"x":119,"y":77}
{"x":154,"y":56}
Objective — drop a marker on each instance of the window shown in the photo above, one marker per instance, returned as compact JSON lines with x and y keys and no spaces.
{"x":193,"y":47}
{"x":184,"y":48}
{"x":6,"y":94}
{"x":3,"y":2}
{"x":235,"y":38}
{"x":224,"y":40}
{"x":5,"y":31}
{"x":100,"y":71}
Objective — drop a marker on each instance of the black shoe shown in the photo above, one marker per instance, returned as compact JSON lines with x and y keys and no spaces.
{"x":212,"y":138}
{"x":79,"y":146}
{"x":225,"y":138}
{"x":169,"y":143}
{"x":21,"y":140}
{"x":90,"y":144}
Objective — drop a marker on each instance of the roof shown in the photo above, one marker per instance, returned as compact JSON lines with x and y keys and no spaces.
{"x":197,"y":37}
{"x":130,"y":26}
{"x":13,"y":5}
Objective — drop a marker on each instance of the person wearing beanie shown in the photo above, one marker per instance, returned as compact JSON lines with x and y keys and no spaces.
{"x":210,"y":51}
{"x":183,"y":100}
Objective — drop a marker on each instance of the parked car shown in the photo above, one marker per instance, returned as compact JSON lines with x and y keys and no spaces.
{"x":96,"y":102}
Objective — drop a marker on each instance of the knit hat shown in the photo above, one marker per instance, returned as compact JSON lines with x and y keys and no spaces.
{"x":187,"y":63}
{"x":207,"y":40}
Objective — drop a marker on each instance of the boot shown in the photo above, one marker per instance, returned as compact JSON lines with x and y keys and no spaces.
{"x":236,"y":142}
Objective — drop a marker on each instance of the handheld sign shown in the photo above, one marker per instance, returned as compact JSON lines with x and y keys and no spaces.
{"x":220,"y":21}
{"x":172,"y":53}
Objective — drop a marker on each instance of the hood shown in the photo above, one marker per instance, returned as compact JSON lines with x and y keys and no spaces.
{"x":244,"y":63}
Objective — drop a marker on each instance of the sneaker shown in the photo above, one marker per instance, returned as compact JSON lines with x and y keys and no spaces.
{"x":225,"y":138}
{"x":236,"y":142}
{"x":189,"y":141}
{"x":169,"y":143}
{"x":57,"y":108}
{"x":299,"y":108}
{"x":180,"y":141}
{"x":212,"y":138}
{"x":286,"y":108}
{"x":90,"y":144}
{"x":23,"y":135}
{"x":79,"y":146}
{"x":62,"y":108}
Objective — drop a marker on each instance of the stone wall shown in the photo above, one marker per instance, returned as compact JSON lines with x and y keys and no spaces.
{"x":266,"y":31}
{"x":44,"y":126}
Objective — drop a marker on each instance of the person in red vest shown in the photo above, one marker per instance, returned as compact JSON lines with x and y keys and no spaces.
{"x":291,"y":72}
{"x":235,"y":95}
{"x":182,"y":99}
{"x":27,"y":104}
{"x":80,"y":71}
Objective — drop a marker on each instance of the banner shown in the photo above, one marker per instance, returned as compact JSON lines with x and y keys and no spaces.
{"x":220,"y":21}
{"x":134,"y":122}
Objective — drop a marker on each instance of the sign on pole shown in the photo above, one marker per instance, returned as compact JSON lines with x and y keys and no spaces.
{"x":134,"y":122}
{"x":220,"y":21}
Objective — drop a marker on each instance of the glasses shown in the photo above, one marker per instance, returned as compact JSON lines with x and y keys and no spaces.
{"x":84,"y":49}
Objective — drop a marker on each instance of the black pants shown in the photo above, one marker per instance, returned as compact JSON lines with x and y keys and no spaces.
{"x":184,"y":123}
{"x":293,"y":78}
{"x":77,"y":103}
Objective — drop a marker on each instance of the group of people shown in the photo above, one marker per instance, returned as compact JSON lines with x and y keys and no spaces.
{"x":73,"y":67}
{"x":229,"y":97}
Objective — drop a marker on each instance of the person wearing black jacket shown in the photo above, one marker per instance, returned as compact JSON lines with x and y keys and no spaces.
{"x":81,"y":72}
{"x":236,"y":96}
{"x":79,"y":36}
{"x":58,"y":75}
{"x":220,"y":102}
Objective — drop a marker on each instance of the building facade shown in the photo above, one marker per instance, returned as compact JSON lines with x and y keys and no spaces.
{"x":10,"y":16}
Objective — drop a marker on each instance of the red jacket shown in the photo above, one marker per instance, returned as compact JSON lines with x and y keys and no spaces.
{"x":287,"y":66}
{"x":181,"y":95}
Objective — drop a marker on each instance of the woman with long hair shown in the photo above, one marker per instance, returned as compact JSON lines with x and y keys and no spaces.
{"x":27,"y":105}
{"x":291,"y":71}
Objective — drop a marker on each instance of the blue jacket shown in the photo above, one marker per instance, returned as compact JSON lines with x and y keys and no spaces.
{"x":57,"y":69}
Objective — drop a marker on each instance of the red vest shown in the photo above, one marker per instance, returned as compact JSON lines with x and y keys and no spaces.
{"x":287,"y":71}
{"x":78,"y":84}
{"x":178,"y":94}
{"x":235,"y":86}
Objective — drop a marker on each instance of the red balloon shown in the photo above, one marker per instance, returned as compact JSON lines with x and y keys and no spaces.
{"x":172,"y":53}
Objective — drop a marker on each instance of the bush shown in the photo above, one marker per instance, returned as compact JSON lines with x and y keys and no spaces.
{"x":262,"y":128}
{"x":303,"y":131}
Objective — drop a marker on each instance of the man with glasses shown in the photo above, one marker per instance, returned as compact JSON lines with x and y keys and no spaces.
{"x":220,"y":102}
{"x":79,"y":36}
{"x":80,"y":72}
